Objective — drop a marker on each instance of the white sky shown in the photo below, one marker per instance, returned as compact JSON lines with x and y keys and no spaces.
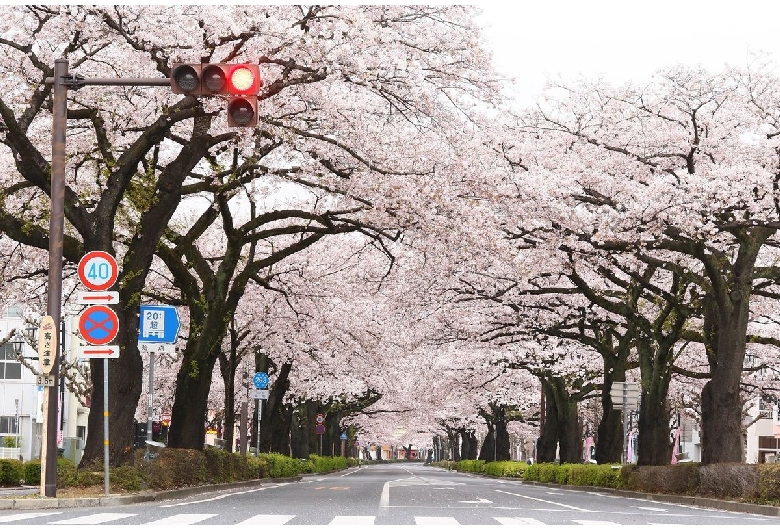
{"x":624,"y":40}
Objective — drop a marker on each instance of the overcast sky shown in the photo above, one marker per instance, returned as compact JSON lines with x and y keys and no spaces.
{"x":624,"y":39}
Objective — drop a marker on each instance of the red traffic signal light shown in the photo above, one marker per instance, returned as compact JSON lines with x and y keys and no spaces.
{"x":215,"y":78}
{"x":240,"y":81}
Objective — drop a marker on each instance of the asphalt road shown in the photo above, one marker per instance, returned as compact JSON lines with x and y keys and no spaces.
{"x":393,"y":494}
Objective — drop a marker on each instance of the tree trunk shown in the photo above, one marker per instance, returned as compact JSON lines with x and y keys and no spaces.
{"x":654,"y":445}
{"x":276,"y":418}
{"x":547,"y":443}
{"x":188,"y":416}
{"x":726,"y":335}
{"x":570,"y":432}
{"x":486,"y":453}
{"x":609,"y":439}
{"x":469,"y":445}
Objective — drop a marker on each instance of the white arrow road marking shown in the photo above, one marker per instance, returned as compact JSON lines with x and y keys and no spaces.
{"x":549,"y":502}
{"x":478,"y":501}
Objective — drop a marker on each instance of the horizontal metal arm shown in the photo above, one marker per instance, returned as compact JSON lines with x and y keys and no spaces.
{"x":75,"y":81}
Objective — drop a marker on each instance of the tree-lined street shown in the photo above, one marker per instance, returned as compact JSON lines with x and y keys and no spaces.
{"x":395,"y":494}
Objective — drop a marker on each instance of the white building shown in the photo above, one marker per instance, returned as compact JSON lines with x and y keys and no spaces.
{"x":21,"y":399}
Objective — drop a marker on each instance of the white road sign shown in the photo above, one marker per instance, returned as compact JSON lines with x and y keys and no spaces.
{"x":259,"y":394}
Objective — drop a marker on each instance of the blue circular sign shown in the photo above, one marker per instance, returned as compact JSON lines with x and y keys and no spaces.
{"x":260,"y":379}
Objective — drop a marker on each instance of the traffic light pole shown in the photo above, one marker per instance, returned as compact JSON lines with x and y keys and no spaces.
{"x":61,"y":82}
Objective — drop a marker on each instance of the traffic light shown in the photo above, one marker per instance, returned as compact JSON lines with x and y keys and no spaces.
{"x":239,"y":81}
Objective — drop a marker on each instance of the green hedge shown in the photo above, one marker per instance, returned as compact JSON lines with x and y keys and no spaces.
{"x":505,"y":469}
{"x":472,"y":466}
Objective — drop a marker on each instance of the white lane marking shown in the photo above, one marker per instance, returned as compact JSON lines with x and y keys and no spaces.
{"x":517,"y":521}
{"x":550,"y":502}
{"x":436,"y":521}
{"x":95,"y":518}
{"x":384,"y":500}
{"x":478,"y":501}
{"x":223,"y":496}
{"x":23,"y":516}
{"x":589,"y":522}
{"x":353,"y":520}
{"x":266,"y":519}
{"x":649,"y":508}
{"x":350,"y":473}
{"x":183,"y":518}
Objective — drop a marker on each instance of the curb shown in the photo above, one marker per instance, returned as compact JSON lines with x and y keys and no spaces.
{"x":134,"y":498}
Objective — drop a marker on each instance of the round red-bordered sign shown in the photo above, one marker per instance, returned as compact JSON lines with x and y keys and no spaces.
{"x":320,"y":419}
{"x":98,"y":270}
{"x":98,"y":325}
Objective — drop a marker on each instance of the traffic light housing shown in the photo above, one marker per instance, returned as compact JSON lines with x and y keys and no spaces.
{"x":239,"y":81}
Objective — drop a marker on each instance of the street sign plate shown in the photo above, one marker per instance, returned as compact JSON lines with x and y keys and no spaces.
{"x":98,"y":325}
{"x":158,"y":323}
{"x":260,"y":379}
{"x":97,"y":297}
{"x":98,"y":270}
{"x":320,"y":419}
{"x":258,"y":393}
{"x":47,"y":343}
{"x":319,"y":429}
{"x":45,"y":380}
{"x":99,"y":352}
{"x":157,"y":347}
{"x":343,"y":436}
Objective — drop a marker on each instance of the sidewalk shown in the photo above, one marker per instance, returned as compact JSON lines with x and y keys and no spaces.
{"x":41,"y":503}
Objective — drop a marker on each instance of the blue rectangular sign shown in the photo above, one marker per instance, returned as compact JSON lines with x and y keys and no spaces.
{"x":158,"y":323}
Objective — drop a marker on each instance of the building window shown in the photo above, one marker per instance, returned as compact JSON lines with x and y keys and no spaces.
{"x":10,"y":367}
{"x":8,"y":425}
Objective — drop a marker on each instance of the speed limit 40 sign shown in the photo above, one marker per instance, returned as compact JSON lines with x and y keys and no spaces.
{"x":98,"y":270}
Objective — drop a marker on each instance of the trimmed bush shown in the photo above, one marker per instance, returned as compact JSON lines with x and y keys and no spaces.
{"x":32,"y":473}
{"x":67,"y":476}
{"x":505,"y":469}
{"x":127,"y":478}
{"x":472,"y":466}
{"x":281,"y":465}
{"x":323,"y":464}
{"x":769,"y":483}
{"x":11,"y":472}
{"x":177,"y":468}
{"x":729,"y":481}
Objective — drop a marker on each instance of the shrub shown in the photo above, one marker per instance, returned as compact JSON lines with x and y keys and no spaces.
{"x":505,"y":469}
{"x":323,"y":464}
{"x":127,"y":478}
{"x":32,"y":472}
{"x":769,"y":483}
{"x":11,"y":472}
{"x":176,"y":468}
{"x":562,"y":473}
{"x":729,"y":481}
{"x":472,"y":466}
{"x":281,"y":465}
{"x":680,"y":479}
{"x":67,"y":476}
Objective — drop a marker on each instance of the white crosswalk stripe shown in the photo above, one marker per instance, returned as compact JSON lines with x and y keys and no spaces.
{"x":267,"y":519}
{"x":183,"y":519}
{"x":23,"y":516}
{"x":436,"y":521}
{"x":517,"y":521}
{"x":95,"y":518}
{"x":592,"y":522}
{"x":353,"y":520}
